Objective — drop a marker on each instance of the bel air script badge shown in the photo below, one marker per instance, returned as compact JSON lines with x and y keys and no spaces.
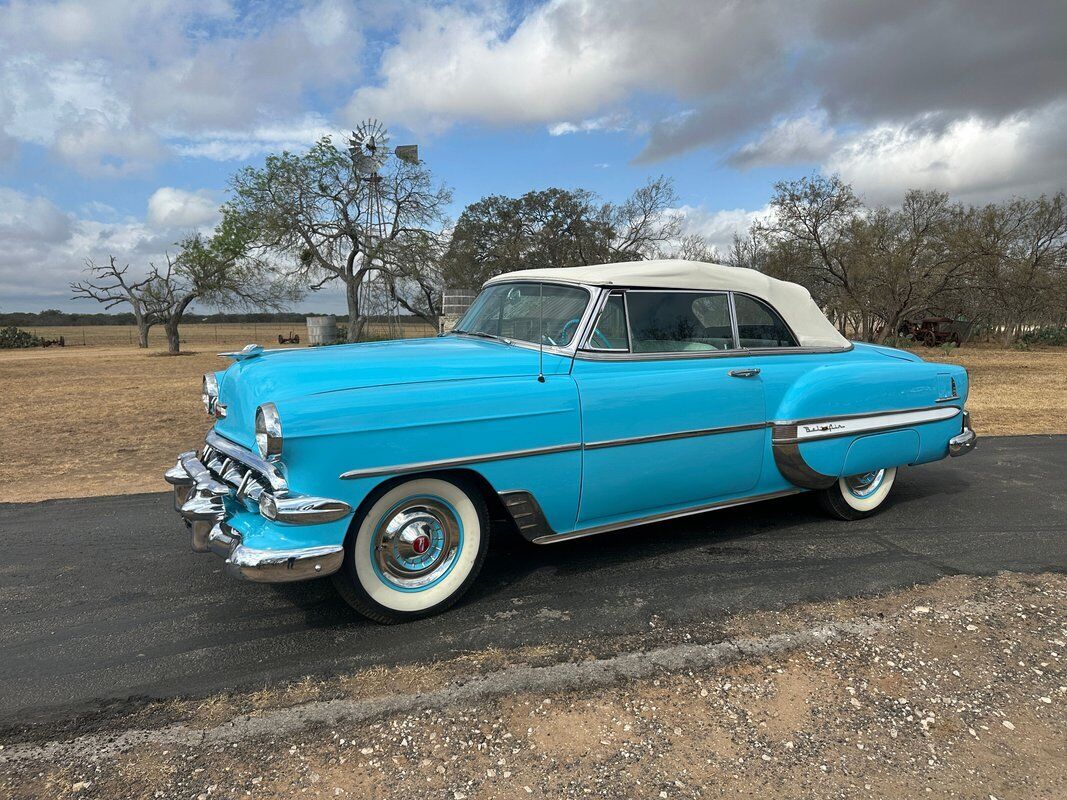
{"x":829,"y":426}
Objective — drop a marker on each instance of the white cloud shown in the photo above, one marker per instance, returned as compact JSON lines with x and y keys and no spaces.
{"x":564,"y":60}
{"x":801,"y":139}
{"x":110,"y":86}
{"x":610,"y":122}
{"x":223,"y":145}
{"x":970,"y":158}
{"x":718,"y":227}
{"x":45,"y":248}
{"x":176,"y":208}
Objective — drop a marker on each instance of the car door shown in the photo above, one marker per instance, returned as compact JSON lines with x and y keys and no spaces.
{"x":672,"y":415}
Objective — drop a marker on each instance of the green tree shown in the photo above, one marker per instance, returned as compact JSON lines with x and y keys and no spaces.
{"x":315,"y":209}
{"x":557,"y":228}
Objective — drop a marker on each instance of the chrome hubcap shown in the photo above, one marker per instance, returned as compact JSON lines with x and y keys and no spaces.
{"x":865,"y":484}
{"x":416,"y":543}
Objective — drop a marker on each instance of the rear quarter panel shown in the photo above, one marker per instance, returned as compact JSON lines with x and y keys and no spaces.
{"x":864,"y":380}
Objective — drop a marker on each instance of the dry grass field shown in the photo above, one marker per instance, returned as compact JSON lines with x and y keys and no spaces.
{"x":83,"y":421}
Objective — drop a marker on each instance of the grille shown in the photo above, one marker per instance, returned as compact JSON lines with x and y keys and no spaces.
{"x":242,"y":469}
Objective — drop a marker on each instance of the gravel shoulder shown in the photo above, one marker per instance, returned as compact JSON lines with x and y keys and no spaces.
{"x":954,"y":689}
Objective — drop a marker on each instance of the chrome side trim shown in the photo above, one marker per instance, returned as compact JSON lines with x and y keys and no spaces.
{"x":447,"y":463}
{"x":666,"y":437}
{"x":268,"y":469}
{"x":589,"y":355}
{"x":851,"y":424}
{"x":663,"y":517}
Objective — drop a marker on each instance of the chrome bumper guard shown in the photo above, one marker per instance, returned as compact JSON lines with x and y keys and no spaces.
{"x":964,"y":442}
{"x":272,"y":566}
{"x":201,"y":487}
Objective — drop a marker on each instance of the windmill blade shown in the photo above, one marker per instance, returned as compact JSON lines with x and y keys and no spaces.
{"x":369,"y":146}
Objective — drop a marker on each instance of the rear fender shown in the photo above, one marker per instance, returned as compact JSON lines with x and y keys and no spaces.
{"x":845,"y":419}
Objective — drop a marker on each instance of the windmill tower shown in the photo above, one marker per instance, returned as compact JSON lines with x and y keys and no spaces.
{"x":369,"y":148}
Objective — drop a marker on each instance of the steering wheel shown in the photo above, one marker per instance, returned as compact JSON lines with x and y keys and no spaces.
{"x":566,"y":333}
{"x":604,"y":342}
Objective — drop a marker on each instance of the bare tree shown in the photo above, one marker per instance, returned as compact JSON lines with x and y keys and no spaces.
{"x":913,"y":260}
{"x":815,"y":219}
{"x":213,"y":270}
{"x":110,"y":285}
{"x":643,"y":223}
{"x":691,"y":247}
{"x":1021,"y":249}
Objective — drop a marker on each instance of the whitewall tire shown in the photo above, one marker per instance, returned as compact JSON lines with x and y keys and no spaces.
{"x":415,"y":549}
{"x":858,"y":496}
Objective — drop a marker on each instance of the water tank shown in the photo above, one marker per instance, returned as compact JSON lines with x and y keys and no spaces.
{"x":321,"y":330}
{"x":454,"y":304}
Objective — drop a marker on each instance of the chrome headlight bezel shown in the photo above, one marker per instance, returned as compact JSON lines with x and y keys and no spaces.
{"x":268,"y":431}
{"x":209,"y":393}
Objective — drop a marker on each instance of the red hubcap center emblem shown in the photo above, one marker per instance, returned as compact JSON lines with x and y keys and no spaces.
{"x":421,"y":545}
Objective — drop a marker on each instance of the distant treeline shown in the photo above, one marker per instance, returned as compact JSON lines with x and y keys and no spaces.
{"x":53,"y":318}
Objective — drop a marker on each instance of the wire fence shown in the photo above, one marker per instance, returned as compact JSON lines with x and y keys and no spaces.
{"x":223,"y":334}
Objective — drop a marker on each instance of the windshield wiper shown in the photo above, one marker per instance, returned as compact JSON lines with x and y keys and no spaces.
{"x":481,"y":335}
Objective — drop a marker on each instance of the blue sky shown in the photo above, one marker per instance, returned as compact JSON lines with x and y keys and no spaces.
{"x":120,"y":122}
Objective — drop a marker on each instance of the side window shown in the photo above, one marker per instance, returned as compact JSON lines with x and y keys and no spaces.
{"x":609,"y":333}
{"x":758,"y":325}
{"x":679,"y":322}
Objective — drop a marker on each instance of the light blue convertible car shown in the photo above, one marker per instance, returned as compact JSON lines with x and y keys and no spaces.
{"x":569,"y":401}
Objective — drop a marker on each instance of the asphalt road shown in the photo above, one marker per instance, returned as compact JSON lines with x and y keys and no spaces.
{"x":101,"y":600}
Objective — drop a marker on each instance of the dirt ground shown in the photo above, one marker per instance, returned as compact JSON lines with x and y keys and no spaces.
{"x":79,"y":422}
{"x":956,"y":689}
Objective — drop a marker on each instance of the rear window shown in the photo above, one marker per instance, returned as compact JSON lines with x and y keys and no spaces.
{"x":758,"y":325}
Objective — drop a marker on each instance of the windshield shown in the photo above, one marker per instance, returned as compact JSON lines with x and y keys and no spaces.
{"x":519,"y":310}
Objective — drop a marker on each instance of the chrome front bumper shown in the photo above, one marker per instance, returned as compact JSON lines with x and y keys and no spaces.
{"x":209,"y":487}
{"x":963,"y":443}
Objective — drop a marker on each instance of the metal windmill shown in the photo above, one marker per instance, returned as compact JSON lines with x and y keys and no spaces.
{"x":369,"y":148}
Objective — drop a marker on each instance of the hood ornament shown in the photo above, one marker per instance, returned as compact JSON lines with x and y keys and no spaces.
{"x":247,"y":352}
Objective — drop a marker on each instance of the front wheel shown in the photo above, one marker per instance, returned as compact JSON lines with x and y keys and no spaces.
{"x":415,"y":550}
{"x":858,"y":496}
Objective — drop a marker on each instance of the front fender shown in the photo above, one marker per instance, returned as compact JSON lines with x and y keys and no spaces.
{"x":485,"y":425}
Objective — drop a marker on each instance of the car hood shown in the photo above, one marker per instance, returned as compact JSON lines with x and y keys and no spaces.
{"x":283,"y":376}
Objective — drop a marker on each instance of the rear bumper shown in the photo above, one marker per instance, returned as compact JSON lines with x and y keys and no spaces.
{"x":226,"y":480}
{"x":964,"y":442}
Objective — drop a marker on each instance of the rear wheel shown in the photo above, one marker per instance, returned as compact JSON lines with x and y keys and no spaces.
{"x":858,"y":496}
{"x":415,"y":550}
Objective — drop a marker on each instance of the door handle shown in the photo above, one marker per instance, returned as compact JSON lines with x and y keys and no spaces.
{"x":750,"y":372}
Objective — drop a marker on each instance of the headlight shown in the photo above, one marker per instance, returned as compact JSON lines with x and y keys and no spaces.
{"x":268,"y":431}
{"x":209,"y":392}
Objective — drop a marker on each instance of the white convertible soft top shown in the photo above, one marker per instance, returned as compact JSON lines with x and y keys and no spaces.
{"x":791,"y":300}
